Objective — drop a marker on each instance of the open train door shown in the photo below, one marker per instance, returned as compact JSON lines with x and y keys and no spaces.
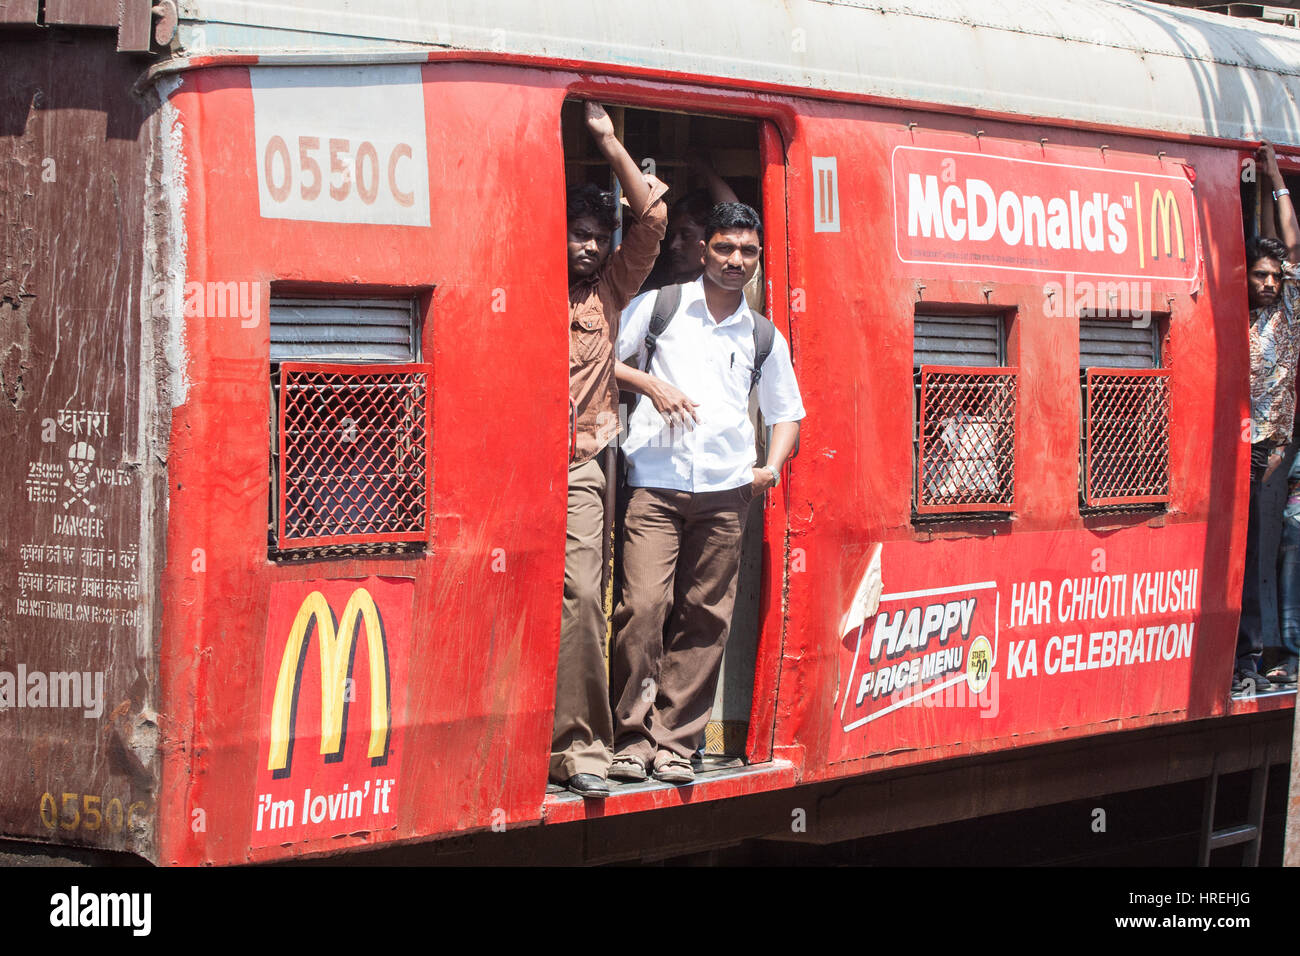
{"x":749,"y":155}
{"x":745,"y":708}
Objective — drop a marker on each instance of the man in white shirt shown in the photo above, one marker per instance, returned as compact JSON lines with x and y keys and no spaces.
{"x":691,"y":466}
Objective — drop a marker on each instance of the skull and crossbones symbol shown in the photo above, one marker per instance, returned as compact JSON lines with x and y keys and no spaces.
{"x":81,"y":458}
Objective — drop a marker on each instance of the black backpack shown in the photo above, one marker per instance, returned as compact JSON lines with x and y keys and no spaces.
{"x":666,"y":301}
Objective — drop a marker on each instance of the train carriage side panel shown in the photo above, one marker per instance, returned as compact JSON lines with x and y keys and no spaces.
{"x":1045,"y":620}
{"x":439,"y":663}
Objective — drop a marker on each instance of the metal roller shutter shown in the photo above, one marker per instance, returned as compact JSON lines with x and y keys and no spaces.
{"x":1112,"y":344}
{"x":334,"y":330}
{"x":957,"y":340}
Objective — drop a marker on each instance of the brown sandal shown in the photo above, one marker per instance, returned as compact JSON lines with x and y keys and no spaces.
{"x":627,"y":767}
{"x":674,"y":770}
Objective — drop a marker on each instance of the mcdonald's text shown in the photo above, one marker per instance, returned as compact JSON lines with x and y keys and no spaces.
{"x":1004,"y":213}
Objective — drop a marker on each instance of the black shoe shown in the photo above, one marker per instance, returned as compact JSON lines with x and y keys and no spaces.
{"x":1247,"y":683}
{"x":588,"y":785}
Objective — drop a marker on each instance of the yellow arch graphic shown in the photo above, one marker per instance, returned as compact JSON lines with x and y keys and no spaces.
{"x":335,"y":653}
{"x":1162,"y":207}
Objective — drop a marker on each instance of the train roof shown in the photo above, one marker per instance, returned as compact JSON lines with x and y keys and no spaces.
{"x":1111,"y":63}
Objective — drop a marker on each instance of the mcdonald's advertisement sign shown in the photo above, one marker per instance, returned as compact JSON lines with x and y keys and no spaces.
{"x":1007,"y":215}
{"x":333,"y":699}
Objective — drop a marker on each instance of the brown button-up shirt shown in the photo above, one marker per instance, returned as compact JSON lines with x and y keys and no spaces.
{"x":595,"y":304}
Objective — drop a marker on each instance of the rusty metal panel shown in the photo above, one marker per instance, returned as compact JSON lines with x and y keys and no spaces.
{"x":1291,"y":852}
{"x":19,"y":11}
{"x":83,"y":13}
{"x":133,"y":26}
{"x":77,"y":657}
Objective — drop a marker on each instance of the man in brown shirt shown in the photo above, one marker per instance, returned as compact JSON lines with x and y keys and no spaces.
{"x":600,"y":286}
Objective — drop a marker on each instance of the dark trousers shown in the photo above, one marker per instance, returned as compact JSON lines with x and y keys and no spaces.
{"x":1288,"y":587}
{"x":1250,"y":632}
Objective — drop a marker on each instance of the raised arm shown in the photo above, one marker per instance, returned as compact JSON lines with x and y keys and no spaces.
{"x":644,"y":228}
{"x":634,"y":184}
{"x":1267,"y":218}
{"x":1283,"y":207}
{"x":719,"y":191}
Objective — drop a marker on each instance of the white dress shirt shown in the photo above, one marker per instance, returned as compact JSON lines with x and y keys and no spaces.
{"x":712,"y":363}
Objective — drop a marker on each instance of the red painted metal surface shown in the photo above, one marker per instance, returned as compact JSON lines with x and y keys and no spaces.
{"x":767,"y":667}
{"x":481,"y":656}
{"x":474,"y":714}
{"x":860,"y":494}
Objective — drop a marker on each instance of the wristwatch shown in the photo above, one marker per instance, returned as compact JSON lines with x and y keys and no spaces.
{"x":776,"y":475}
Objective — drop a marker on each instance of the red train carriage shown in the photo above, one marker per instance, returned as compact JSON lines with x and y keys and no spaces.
{"x":292,"y":479}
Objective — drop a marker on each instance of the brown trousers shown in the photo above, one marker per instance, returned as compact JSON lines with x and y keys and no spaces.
{"x":681,"y":555}
{"x":583,"y":730}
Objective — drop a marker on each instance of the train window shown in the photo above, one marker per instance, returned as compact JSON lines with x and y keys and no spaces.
{"x":349,"y":431}
{"x":965,"y":415}
{"x":1124,"y":433}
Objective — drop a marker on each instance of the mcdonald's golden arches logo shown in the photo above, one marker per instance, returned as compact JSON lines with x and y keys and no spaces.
{"x":1164,"y":208}
{"x":336,"y":642}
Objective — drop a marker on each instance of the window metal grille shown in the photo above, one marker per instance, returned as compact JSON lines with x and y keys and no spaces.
{"x":353,"y":450}
{"x":1126,"y":437}
{"x":966,"y":435}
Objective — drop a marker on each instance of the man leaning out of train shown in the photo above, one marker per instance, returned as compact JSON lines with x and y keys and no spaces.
{"x":1274,"y":293}
{"x":692,"y":469}
{"x":600,"y":285}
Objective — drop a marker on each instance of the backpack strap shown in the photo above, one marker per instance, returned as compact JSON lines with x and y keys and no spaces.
{"x":669,"y":298}
{"x":764,"y":336}
{"x":666,"y":301}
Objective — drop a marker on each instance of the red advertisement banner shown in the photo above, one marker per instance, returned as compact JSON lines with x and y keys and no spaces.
{"x":1065,"y":631}
{"x":1022,"y":216}
{"x":333,"y":692}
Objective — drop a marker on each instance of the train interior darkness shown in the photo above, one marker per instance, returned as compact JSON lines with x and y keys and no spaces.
{"x":672,"y":146}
